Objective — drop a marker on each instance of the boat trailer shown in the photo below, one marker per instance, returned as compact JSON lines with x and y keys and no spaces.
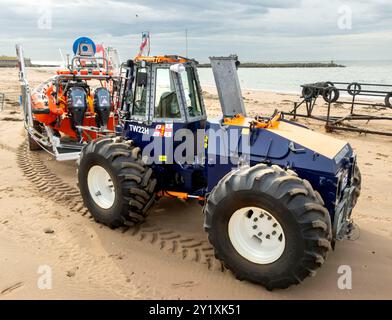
{"x":332,"y":93}
{"x":81,"y":68}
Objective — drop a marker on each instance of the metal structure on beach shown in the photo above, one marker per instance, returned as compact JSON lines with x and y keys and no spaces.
{"x":332,"y":92}
{"x":2,"y":101}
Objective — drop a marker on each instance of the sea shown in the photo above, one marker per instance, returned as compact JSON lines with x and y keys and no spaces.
{"x":289,"y":80}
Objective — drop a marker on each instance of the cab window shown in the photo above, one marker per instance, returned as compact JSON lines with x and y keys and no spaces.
{"x":140,"y":96}
{"x":191,"y":90}
{"x":166,"y":101}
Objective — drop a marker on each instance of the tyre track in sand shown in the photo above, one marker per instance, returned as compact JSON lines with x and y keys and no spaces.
{"x":7,"y":148}
{"x":50,"y":185}
{"x":73,"y":254}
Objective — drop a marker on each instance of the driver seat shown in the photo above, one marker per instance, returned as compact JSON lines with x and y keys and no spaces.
{"x":168,"y":106}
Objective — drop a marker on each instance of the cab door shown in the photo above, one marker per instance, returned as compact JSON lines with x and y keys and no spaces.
{"x":167,"y":113}
{"x":137,"y":126}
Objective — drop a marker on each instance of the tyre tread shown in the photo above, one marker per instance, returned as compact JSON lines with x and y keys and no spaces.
{"x":285,"y":186}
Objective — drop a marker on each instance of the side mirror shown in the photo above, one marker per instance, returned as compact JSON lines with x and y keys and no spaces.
{"x":142,"y":79}
{"x":177,"y":68}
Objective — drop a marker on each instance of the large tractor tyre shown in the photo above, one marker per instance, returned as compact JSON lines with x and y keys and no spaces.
{"x":33,"y":145}
{"x":268,"y":226}
{"x":357,"y":183}
{"x":116,"y":185}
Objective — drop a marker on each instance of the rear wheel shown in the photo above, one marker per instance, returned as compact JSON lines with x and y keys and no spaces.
{"x":268,"y":226}
{"x":33,"y":145}
{"x":116,"y":185}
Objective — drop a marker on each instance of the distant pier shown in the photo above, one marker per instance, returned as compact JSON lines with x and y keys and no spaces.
{"x":12,"y":62}
{"x":284,"y":65}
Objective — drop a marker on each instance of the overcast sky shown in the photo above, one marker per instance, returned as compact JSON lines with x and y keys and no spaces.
{"x":257,"y":30}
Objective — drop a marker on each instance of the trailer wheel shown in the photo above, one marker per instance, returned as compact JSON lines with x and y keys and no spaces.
{"x":308,"y":93}
{"x":33,"y":145}
{"x":330,"y":84}
{"x":116,"y":185}
{"x":354,"y":88}
{"x":331,"y":94}
{"x":268,"y":226}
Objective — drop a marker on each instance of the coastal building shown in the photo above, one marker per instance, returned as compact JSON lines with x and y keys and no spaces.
{"x":11,"y":62}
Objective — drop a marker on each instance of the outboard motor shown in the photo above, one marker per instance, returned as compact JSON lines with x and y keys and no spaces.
{"x":102,"y":105}
{"x":77,"y":106}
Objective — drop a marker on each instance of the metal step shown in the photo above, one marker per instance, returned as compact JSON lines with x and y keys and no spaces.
{"x":67,"y":154}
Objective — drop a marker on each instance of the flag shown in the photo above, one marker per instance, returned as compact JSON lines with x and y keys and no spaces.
{"x":145,"y":45}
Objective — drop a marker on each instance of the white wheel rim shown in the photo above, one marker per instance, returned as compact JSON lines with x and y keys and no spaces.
{"x":100,"y":186}
{"x":256,"y":235}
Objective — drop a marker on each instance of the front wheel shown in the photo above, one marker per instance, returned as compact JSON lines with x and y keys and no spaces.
{"x":268,"y":226}
{"x":116,"y":185}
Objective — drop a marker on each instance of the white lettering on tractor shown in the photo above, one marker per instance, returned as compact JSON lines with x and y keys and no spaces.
{"x":139,"y":129}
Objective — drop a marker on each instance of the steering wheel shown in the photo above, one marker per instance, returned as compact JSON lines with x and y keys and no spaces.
{"x":137,"y":106}
{"x":191,"y":111}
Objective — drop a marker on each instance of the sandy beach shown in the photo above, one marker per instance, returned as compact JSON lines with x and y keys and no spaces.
{"x":43,"y":223}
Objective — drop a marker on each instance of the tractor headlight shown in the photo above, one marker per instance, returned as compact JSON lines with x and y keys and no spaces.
{"x":343,"y":180}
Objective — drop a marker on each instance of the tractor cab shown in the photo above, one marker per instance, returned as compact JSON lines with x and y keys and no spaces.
{"x":162,"y":95}
{"x":164,"y":90}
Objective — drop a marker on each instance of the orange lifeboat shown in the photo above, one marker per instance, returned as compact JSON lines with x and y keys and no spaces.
{"x":43,"y":104}
{"x":49,"y":107}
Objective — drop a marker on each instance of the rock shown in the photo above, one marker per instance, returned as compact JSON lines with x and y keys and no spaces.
{"x":71,"y":273}
{"x":48,"y":230}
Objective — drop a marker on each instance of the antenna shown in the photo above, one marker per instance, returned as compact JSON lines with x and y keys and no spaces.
{"x":186,"y":43}
{"x":62,"y":59}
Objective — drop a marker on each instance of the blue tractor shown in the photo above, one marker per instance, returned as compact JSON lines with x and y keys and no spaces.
{"x":276,"y":195}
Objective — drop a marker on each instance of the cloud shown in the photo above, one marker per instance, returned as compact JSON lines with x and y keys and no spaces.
{"x":256,"y":29}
